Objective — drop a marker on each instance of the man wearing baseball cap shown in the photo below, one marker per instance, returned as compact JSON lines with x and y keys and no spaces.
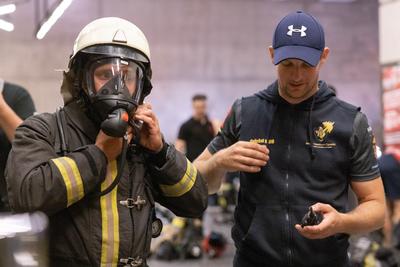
{"x":297,"y":148}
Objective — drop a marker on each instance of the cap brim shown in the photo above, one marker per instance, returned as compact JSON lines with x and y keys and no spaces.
{"x":307,"y":54}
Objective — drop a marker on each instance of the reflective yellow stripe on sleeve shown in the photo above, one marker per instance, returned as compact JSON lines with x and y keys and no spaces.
{"x":109,"y":220}
{"x":184,"y":185}
{"x":71,"y":177}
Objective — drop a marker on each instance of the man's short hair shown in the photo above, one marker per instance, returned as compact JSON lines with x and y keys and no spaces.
{"x":199,"y":97}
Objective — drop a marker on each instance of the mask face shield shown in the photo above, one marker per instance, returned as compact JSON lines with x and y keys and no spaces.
{"x":115,"y":89}
{"x":115,"y":77}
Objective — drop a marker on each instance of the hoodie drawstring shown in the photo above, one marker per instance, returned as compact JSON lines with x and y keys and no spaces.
{"x":275,"y":107}
{"x":312,"y":151}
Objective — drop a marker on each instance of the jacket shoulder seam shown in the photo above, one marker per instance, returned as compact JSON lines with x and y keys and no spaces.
{"x":346,"y":106}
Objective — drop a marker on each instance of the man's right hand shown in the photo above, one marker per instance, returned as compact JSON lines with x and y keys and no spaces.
{"x":111,"y":146}
{"x":243,"y":156}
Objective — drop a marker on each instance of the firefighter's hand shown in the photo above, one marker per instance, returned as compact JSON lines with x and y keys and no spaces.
{"x":111,"y":146}
{"x":243,"y":156}
{"x":329,"y":226}
{"x":150,"y":134}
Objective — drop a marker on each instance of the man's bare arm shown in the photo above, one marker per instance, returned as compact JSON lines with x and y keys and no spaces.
{"x":368,"y":216}
{"x":9,"y":120}
{"x":180,"y":145}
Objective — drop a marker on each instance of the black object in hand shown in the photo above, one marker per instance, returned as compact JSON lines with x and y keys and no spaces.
{"x":312,"y":218}
{"x":116,"y":123}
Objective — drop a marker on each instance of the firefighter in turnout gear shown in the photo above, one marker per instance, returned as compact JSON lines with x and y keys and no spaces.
{"x":97,"y":165}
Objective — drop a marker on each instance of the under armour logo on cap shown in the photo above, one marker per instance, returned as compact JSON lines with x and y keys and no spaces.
{"x":292,"y":29}
{"x":298,"y":36}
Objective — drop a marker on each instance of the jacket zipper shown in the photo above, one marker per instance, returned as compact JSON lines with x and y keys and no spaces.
{"x":131,"y":210}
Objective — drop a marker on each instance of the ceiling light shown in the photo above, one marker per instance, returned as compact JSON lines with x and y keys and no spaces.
{"x":7,"y":26}
{"x":54,"y":16}
{"x":338,"y":1}
{"x":7,"y":9}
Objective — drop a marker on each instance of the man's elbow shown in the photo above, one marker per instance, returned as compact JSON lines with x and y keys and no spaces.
{"x":194,"y":210}
{"x":380,"y":224}
{"x":201,"y":203}
{"x":25,"y":202}
{"x":28,"y":196}
{"x":381,"y":217}
{"x":199,"y":208}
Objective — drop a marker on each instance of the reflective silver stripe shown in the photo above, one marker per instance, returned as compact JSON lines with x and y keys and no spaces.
{"x":71,"y":177}
{"x":110,"y":220}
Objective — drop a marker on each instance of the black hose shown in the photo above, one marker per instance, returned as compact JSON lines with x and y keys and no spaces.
{"x":121,"y":166}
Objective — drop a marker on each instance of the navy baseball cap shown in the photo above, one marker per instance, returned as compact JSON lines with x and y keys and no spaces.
{"x":298,"y":35}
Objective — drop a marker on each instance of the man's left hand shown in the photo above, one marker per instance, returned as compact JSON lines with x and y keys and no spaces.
{"x":329,"y":226}
{"x":150,"y":134}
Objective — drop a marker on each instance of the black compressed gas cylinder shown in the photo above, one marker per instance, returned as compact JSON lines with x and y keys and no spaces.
{"x":312,"y":218}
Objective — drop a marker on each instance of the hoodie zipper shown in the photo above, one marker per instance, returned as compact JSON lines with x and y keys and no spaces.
{"x":289,"y":251}
{"x":287,"y":218}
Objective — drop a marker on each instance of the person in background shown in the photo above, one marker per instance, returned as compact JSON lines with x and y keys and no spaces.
{"x":198,"y":131}
{"x":389,"y":165}
{"x":15,"y":106}
{"x":193,"y":137}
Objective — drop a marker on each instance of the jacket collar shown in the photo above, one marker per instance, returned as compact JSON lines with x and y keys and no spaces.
{"x":78,"y":118}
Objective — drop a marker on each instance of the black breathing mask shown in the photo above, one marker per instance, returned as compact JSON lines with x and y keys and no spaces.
{"x":115,"y":89}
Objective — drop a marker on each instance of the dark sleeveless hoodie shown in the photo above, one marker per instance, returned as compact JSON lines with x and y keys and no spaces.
{"x":309,"y":162}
